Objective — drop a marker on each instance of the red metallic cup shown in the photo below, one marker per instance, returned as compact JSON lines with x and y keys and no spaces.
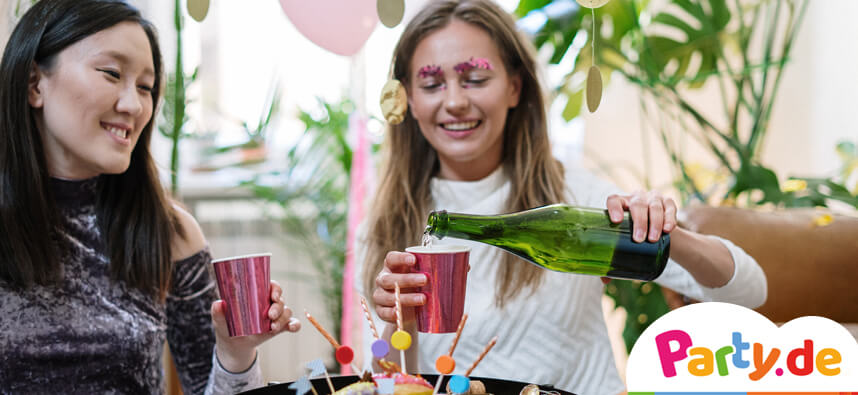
{"x":446,"y":268}
{"x":244,"y":283}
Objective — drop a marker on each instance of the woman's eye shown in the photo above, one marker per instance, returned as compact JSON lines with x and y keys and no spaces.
{"x":432,"y":86}
{"x":112,"y":73}
{"x":476,"y":81}
{"x":145,"y":88}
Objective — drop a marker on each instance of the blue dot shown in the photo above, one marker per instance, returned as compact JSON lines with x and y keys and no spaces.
{"x":779,"y":372}
{"x":459,"y":384}
{"x":380,"y":348}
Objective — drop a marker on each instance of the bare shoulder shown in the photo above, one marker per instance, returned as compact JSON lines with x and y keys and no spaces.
{"x":193,"y":240}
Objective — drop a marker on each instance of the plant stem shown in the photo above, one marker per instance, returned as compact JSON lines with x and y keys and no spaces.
{"x":179,"y":102}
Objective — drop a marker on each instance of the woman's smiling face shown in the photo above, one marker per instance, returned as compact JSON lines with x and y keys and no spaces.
{"x":93,"y":102}
{"x":460,"y":92}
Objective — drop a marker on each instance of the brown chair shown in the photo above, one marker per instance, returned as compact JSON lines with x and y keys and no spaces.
{"x":811,"y":269}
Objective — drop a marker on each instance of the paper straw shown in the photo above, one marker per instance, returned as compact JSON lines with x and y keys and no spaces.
{"x":483,"y":354}
{"x":399,"y":327}
{"x":458,"y":333}
{"x":368,"y":317}
{"x":322,"y":330}
{"x":398,"y":309}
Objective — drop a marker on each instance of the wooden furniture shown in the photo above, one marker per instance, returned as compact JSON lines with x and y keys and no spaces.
{"x":811,"y":269}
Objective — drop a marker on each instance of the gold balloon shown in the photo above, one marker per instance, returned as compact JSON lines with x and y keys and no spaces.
{"x":592,"y":3}
{"x":390,"y":12}
{"x":394,"y":102}
{"x":594,"y":88}
{"x":198,"y":9}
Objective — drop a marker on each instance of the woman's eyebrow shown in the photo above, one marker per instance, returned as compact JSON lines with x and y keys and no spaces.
{"x":430,"y":71}
{"x":472,"y":63}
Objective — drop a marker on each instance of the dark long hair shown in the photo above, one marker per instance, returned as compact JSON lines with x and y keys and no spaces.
{"x":133,"y":212}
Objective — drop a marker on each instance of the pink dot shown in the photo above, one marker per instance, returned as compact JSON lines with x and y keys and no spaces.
{"x":779,"y":372}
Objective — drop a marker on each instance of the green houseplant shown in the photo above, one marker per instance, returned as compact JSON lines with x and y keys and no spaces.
{"x":667,"y":49}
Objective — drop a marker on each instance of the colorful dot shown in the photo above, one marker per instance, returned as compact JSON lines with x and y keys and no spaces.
{"x":344,"y":355}
{"x":400,"y":340}
{"x":779,"y":372}
{"x":459,"y":384}
{"x":445,"y":364}
{"x":380,"y":348}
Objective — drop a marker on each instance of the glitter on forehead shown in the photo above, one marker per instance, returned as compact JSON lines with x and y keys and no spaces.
{"x":478,"y":63}
{"x":429,"y":71}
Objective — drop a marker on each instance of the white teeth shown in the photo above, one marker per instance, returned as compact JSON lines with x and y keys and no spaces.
{"x":460,"y":125}
{"x":118,"y":132}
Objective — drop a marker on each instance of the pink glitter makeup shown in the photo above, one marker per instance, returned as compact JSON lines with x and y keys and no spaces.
{"x":478,"y":63}
{"x":429,"y":71}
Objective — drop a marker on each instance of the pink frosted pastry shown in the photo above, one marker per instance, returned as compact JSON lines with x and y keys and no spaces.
{"x":404,"y":384}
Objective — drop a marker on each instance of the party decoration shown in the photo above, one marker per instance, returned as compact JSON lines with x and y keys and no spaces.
{"x":400,"y":340}
{"x":482,"y":355}
{"x":198,"y":9}
{"x":344,"y":355}
{"x":394,"y":102}
{"x":459,"y":384}
{"x":594,"y":77}
{"x":390,"y":12}
{"x":445,"y":364}
{"x":594,"y":88}
{"x":368,"y":317}
{"x":341,"y":27}
{"x":301,"y":386}
{"x":592,"y":3}
{"x":385,"y":386}
{"x":317,"y":367}
{"x":380,"y":348}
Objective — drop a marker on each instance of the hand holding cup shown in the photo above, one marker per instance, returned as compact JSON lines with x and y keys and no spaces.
{"x":398,"y":267}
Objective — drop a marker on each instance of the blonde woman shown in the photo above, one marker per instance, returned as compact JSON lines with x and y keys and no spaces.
{"x":475,"y":140}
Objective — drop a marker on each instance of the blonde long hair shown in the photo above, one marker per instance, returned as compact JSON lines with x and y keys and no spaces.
{"x":399,"y":215}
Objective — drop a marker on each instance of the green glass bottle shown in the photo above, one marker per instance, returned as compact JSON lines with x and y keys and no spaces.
{"x":562,"y":238}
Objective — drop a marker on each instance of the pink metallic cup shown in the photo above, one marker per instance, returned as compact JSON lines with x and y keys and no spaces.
{"x":244,"y":283}
{"x":446,"y":268}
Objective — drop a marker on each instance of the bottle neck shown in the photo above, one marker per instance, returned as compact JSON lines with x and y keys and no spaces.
{"x":438,"y":224}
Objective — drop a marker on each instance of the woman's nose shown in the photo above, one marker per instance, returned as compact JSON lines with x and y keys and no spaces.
{"x":129,"y":101}
{"x":456,"y":100}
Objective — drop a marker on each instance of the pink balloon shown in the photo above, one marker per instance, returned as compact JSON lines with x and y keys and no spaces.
{"x":340,"y":26}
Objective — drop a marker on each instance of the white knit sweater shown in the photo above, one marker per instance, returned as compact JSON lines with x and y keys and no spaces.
{"x":556,"y":335}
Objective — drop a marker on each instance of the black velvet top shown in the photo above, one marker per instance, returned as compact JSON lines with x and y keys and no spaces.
{"x":90,"y":334}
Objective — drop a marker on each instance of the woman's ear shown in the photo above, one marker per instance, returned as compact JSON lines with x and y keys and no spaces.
{"x":34,"y":91}
{"x":514,"y":89}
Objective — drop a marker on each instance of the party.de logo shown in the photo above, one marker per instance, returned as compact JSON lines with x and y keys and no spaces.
{"x":720,"y":347}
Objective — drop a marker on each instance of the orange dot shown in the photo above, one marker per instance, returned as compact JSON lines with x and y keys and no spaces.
{"x":445,"y":364}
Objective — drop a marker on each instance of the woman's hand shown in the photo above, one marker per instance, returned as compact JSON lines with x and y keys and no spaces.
{"x":236,"y":354}
{"x":397,"y":269}
{"x":647,"y":210}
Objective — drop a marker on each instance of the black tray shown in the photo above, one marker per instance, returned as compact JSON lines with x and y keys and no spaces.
{"x":493,"y":386}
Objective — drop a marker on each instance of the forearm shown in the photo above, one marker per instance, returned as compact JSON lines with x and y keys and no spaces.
{"x":410,"y":353}
{"x":235,"y":360}
{"x":706,"y":259}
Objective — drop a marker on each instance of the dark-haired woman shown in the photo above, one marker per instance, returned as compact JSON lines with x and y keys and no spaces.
{"x":97,"y":266}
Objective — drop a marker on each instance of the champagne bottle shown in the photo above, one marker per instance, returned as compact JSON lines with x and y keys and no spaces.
{"x":562,"y":238}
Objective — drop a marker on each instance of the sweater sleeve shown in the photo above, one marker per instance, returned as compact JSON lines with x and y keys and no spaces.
{"x":190,"y":332}
{"x":747,"y":287}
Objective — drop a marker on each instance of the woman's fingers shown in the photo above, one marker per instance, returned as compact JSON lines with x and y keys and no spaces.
{"x":639,"y":211}
{"x":388,"y":280}
{"x":616,"y":206}
{"x":669,"y":215}
{"x":399,"y":262}
{"x":656,"y":216}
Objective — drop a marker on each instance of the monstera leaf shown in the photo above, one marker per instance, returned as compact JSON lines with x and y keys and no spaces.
{"x":701,"y":27}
